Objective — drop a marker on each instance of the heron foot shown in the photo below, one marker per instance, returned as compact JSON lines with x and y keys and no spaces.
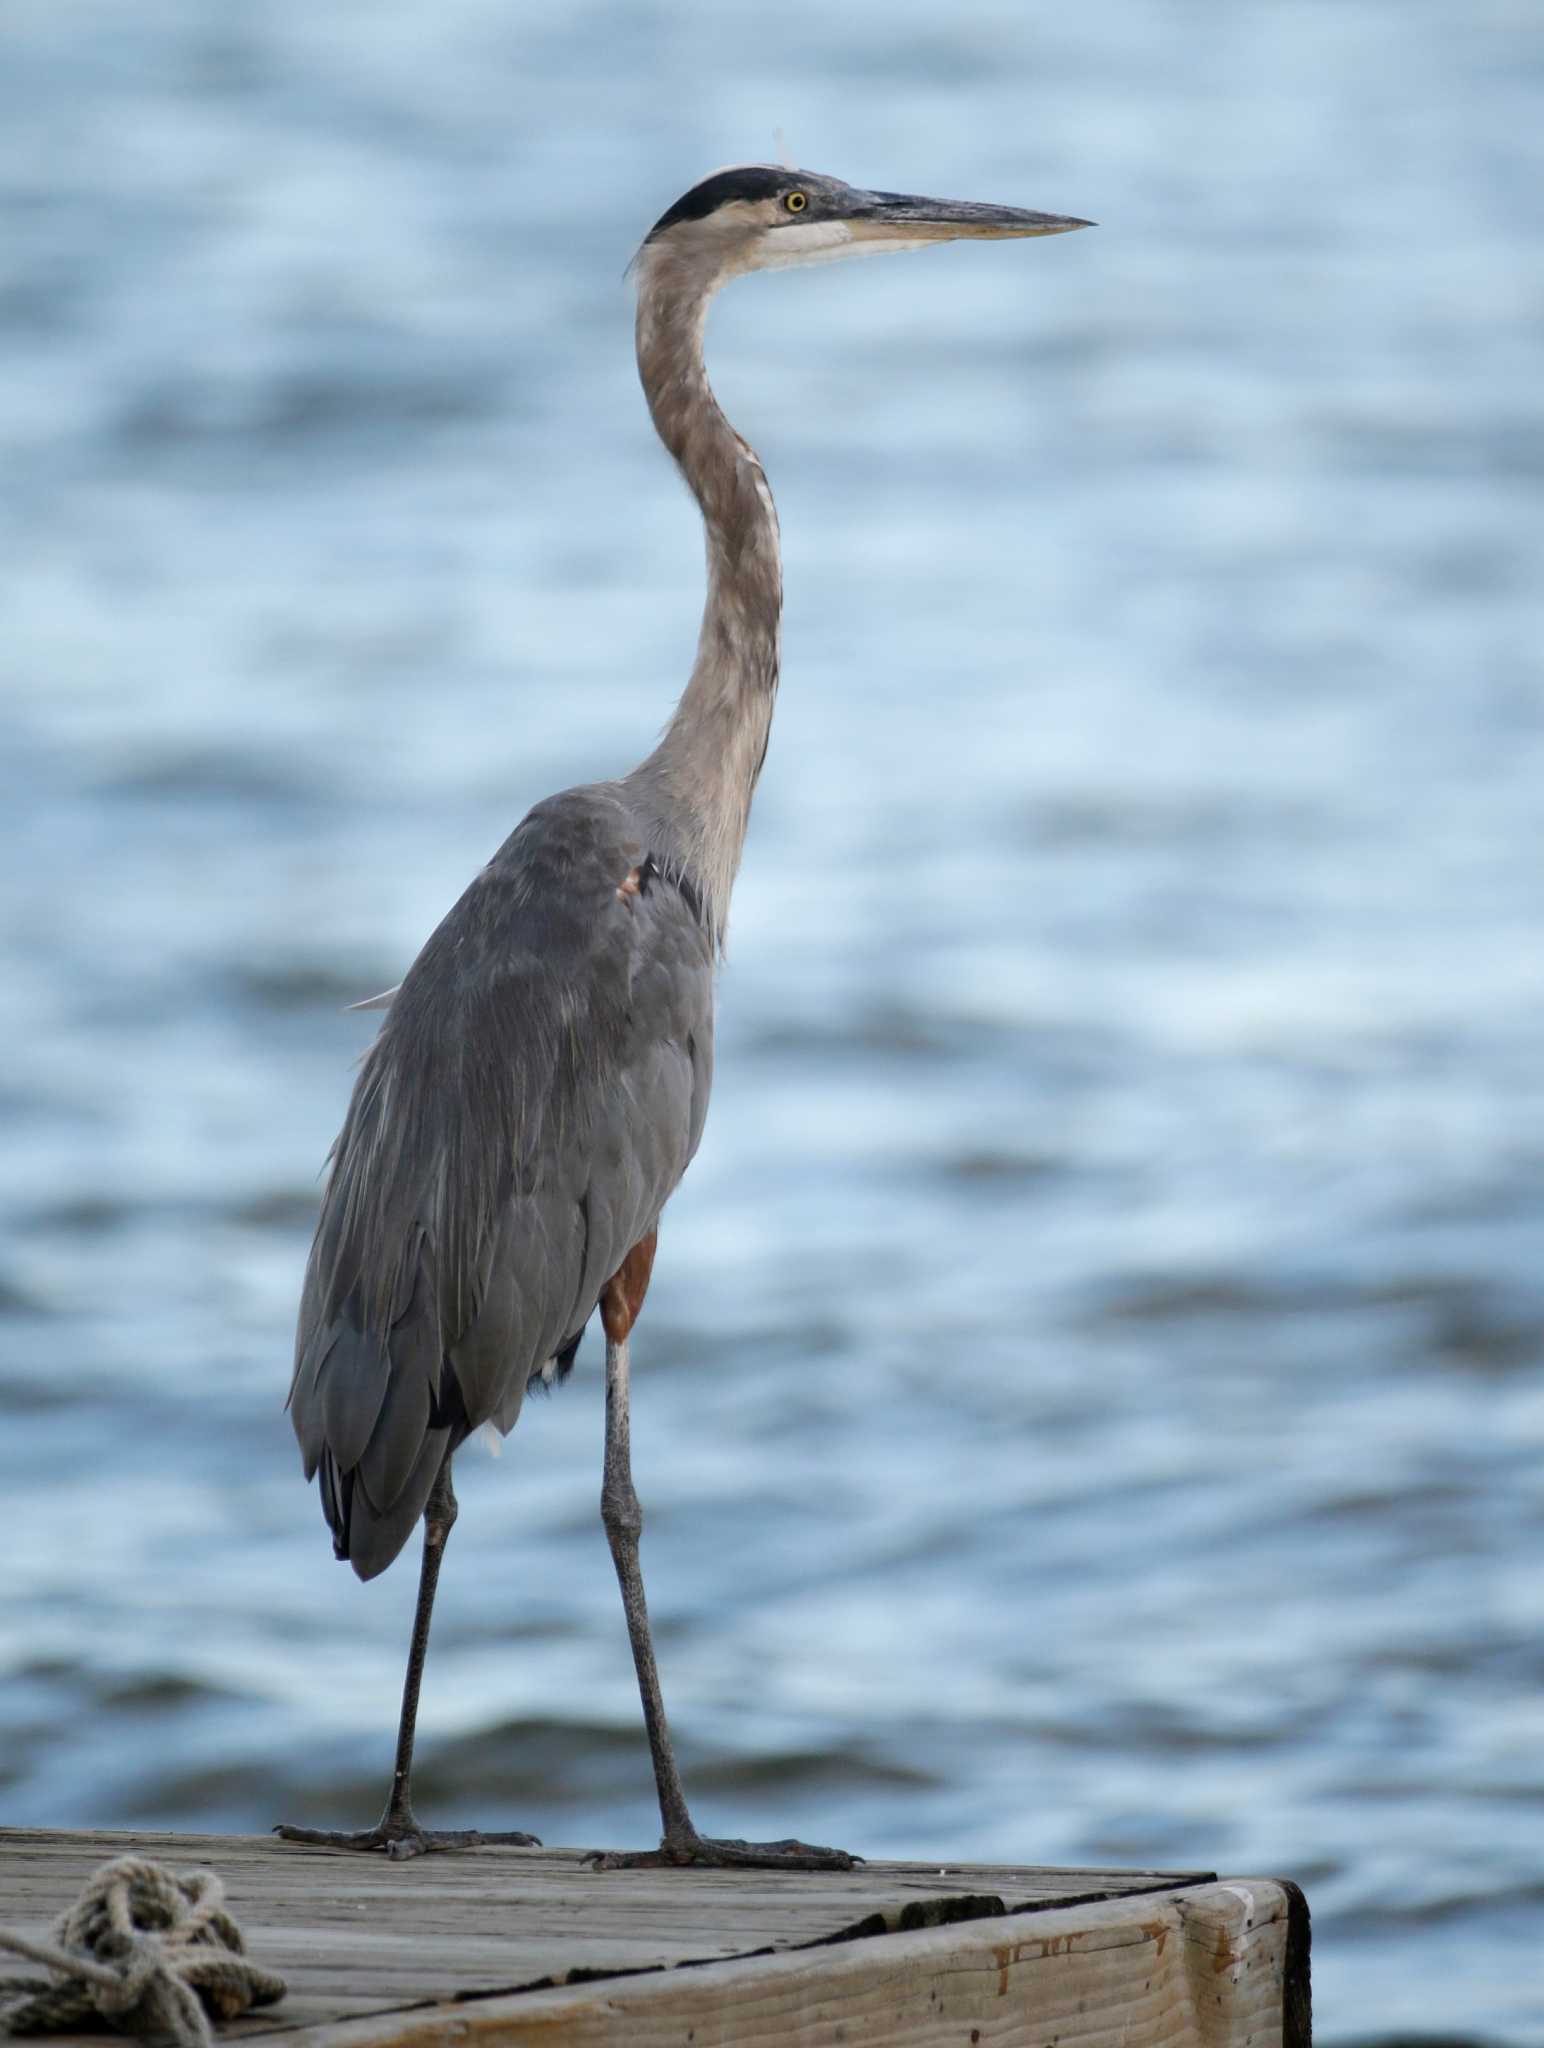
{"x":400,"y":1837}
{"x":708,"y":1852}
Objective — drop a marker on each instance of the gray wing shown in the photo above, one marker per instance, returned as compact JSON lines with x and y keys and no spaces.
{"x":534,"y":1096}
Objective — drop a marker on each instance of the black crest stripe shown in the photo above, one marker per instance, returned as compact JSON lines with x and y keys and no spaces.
{"x":747,"y":181}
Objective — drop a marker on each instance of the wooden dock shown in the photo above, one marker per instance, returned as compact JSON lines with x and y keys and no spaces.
{"x":498,"y":1948}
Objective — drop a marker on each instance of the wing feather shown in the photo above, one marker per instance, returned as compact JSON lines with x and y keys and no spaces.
{"x":352,"y":1382}
{"x":373,"y":1538}
{"x":534,"y":1095}
{"x":396,"y":1441}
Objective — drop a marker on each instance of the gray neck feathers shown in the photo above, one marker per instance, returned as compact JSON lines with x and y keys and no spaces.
{"x":698,"y":782}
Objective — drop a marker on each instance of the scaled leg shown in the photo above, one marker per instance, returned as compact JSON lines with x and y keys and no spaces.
{"x":623,"y":1517}
{"x":397,"y":1832}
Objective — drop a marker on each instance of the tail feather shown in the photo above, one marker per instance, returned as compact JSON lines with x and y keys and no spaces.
{"x":370,"y":1416}
{"x":373,"y":1536}
{"x":337,"y":1490}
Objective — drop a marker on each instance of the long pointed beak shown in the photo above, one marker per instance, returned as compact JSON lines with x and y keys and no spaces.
{"x":901,"y":218}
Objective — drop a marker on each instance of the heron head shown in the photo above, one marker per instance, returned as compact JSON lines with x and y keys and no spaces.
{"x":767,"y":217}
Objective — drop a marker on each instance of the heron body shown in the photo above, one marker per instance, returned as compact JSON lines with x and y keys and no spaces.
{"x":480,"y":1202}
{"x":540,"y":1082}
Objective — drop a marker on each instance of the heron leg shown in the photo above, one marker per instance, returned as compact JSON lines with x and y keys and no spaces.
{"x":397,"y":1832}
{"x":623,"y":1516}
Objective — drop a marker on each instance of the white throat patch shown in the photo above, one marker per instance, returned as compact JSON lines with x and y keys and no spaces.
{"x":826,"y":241}
{"x":816,"y":241}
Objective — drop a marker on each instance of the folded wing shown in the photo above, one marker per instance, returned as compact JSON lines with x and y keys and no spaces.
{"x":537,"y":1089}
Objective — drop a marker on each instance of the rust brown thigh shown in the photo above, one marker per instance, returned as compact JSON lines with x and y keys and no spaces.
{"x":622,"y":1296}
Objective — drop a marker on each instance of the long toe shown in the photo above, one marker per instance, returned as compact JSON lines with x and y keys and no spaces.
{"x":363,"y":1840}
{"x":711,"y":1853}
{"x":707,"y":1852}
{"x":473,"y":1838}
{"x":404,"y":1839}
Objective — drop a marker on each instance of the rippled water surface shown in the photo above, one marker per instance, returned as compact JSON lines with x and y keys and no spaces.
{"x":1091,"y":1402}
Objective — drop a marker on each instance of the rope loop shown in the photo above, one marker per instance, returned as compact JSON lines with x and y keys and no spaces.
{"x":151,"y":1951}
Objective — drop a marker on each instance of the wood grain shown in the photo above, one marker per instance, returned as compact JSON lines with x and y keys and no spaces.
{"x":512,"y":1945}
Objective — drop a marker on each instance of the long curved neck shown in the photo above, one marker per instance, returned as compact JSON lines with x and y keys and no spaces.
{"x":699,"y":780}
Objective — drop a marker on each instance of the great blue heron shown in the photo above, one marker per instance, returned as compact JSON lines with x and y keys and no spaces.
{"x":539,"y":1085}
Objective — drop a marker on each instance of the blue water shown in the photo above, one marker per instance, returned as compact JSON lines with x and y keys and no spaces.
{"x":1091,"y":1401}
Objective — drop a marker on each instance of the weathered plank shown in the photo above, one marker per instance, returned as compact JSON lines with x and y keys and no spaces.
{"x":514,"y":1945}
{"x":1202,"y":1968}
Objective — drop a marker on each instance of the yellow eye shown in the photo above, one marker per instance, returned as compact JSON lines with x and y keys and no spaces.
{"x":795,"y":201}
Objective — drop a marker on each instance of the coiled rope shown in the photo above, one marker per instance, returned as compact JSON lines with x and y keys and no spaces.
{"x":147,"y":1950}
